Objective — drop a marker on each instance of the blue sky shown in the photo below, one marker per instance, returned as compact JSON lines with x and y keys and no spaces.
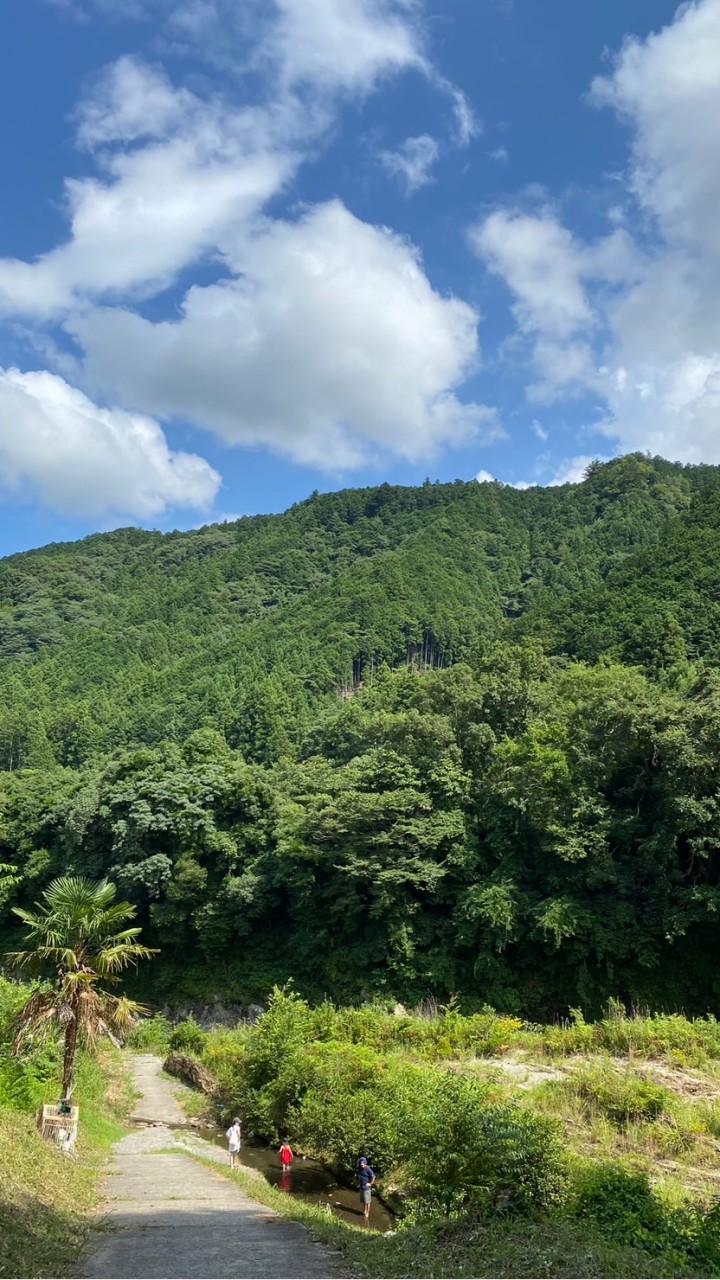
{"x":250,"y":248}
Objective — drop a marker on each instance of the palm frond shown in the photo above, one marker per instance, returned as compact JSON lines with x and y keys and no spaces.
{"x":60,"y":956}
{"x":76,"y":894}
{"x":78,"y":980}
{"x":18,"y":959}
{"x":27,"y":917}
{"x":42,"y":1008}
{"x":123,"y":1013}
{"x":123,"y":935}
{"x":114,"y":959}
{"x":81,"y":931}
{"x":109,"y":920}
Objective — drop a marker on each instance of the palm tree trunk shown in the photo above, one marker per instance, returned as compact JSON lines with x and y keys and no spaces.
{"x":71,"y":1036}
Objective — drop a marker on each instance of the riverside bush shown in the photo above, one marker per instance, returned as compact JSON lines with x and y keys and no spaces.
{"x":150,"y":1035}
{"x":622,"y":1205}
{"x":225,"y":1056}
{"x":453,"y":1034}
{"x":434,"y":1132}
{"x":683,"y":1040}
{"x":446,"y":1141}
{"x":448,"y":1035}
{"x":463,"y":1151}
{"x":188,"y":1037}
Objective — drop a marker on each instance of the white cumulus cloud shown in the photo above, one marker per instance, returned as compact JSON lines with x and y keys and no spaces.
{"x":572,"y":470}
{"x":159,"y":206}
{"x":667,"y":89}
{"x":549,"y":272}
{"x":635,"y":322}
{"x":329,"y":345}
{"x":662,"y":374}
{"x":548,"y":269}
{"x":131,"y":100}
{"x":83,"y":460}
{"x":322,"y":337}
{"x":344,"y":44}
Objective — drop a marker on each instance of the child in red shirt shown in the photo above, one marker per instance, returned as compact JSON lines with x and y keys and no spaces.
{"x":286,"y":1156}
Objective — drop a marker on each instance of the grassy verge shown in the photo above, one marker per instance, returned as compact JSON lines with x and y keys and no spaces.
{"x":44,"y":1195}
{"x":465,"y":1248}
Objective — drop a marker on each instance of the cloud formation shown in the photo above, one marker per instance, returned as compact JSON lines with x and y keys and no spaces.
{"x":412,"y":163}
{"x":83,"y":460}
{"x":341,"y":44}
{"x":321,"y":337}
{"x":635,"y":323}
{"x":181,"y":175}
{"x":572,"y":470}
{"x":199,"y":172}
{"x":550,"y":273}
{"x":329,"y":345}
{"x":662,"y":380}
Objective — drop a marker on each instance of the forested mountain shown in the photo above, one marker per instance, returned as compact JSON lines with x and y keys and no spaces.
{"x":452,"y":738}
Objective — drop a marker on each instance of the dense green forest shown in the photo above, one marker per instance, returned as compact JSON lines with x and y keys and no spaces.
{"x":452,"y":739}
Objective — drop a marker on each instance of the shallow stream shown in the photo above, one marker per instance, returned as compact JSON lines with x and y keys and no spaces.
{"x":307,"y":1180}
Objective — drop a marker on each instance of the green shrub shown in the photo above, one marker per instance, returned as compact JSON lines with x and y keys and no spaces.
{"x":341,"y":1082}
{"x":21,"y":1087}
{"x":463,"y":1151}
{"x":620,"y":1203}
{"x":343,"y":1125}
{"x":563,"y":1039}
{"x":225,"y":1056}
{"x":26,"y":1077}
{"x":13,"y":996}
{"x":707,"y":1114}
{"x":652,"y":1036}
{"x":450,"y":1034}
{"x":623,"y":1207}
{"x":150,"y":1035}
{"x":683,"y":1040}
{"x":188,"y":1037}
{"x":286,"y":1025}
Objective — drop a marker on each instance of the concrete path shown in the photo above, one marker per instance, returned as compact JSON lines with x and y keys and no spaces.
{"x":167,"y":1216}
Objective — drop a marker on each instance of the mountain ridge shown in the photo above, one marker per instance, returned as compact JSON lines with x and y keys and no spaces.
{"x":456,"y":738}
{"x":337,"y":583}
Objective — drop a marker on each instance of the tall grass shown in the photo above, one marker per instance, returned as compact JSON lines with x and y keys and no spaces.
{"x":44,"y":1194}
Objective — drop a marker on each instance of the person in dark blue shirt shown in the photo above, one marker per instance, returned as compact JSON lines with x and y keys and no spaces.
{"x":367,"y":1182}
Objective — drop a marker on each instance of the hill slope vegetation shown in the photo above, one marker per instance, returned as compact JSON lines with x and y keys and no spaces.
{"x":457,"y":738}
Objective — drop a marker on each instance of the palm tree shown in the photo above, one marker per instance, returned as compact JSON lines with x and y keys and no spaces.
{"x":79,"y":931}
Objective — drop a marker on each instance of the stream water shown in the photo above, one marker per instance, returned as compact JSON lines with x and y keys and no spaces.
{"x":307,"y":1180}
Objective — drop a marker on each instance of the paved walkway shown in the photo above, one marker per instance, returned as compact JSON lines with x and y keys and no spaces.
{"x":167,"y":1216}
